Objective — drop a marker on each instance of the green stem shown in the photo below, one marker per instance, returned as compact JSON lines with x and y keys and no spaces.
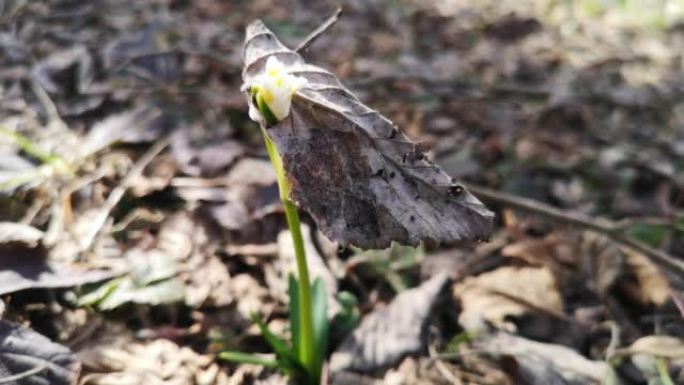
{"x":54,"y":161}
{"x":306,"y":345}
{"x":663,"y":372}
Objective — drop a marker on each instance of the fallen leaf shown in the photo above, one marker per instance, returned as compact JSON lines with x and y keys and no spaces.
{"x":144,"y":53}
{"x":654,"y":287}
{"x":46,"y":72}
{"x":531,"y":362}
{"x":391,"y":332}
{"x":484,"y":301}
{"x":597,"y":260}
{"x":69,"y":75}
{"x":22,"y":350}
{"x":11,"y":232}
{"x":659,"y":346}
{"x":251,"y":171}
{"x":574,"y":256}
{"x":364,"y":182}
{"x":24,"y":268}
{"x":116,"y":358}
{"x":203,"y":159}
{"x":186,"y":240}
{"x":138,"y":125}
{"x":152,"y":281}
{"x":16,"y":171}
{"x":127,"y":290}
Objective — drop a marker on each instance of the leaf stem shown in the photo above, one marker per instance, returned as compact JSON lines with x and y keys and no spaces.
{"x":306,"y":343}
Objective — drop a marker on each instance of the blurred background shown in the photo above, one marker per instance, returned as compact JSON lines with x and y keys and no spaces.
{"x":140,"y":224}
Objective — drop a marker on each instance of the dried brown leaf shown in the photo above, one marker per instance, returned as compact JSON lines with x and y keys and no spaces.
{"x":541,"y":363}
{"x":23,"y":350}
{"x":24,"y":268}
{"x":659,"y":346}
{"x":389,"y":333}
{"x":572,"y":255}
{"x":205,"y":158}
{"x":364,"y":182}
{"x":484,"y":298}
{"x":653,"y":285}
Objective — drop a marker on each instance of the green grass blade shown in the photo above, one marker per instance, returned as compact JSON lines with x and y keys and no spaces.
{"x":246,"y":358}
{"x":96,"y":296}
{"x":278,"y":345}
{"x":346,"y":319}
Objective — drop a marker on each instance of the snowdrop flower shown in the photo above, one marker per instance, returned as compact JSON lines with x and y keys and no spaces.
{"x":273,"y":89}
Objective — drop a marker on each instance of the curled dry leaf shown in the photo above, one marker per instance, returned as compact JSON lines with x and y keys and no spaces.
{"x":363,"y":181}
{"x":389,"y":333}
{"x":654,"y":287}
{"x":139,"y":125}
{"x":23,"y":350}
{"x":485,"y":299}
{"x":24,"y":263}
{"x":203,"y":157}
{"x":595,"y":259}
{"x":152,"y":281}
{"x":541,"y":363}
{"x":658,"y":346}
{"x":129,"y":53}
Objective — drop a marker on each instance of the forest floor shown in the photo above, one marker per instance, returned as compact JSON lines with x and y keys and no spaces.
{"x":140,"y":225}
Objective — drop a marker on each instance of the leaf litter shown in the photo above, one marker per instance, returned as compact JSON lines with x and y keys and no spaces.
{"x":391,"y":332}
{"x":31,"y":358}
{"x":577,"y":108}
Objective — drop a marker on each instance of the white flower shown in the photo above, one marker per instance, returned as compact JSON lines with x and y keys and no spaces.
{"x":274,"y":87}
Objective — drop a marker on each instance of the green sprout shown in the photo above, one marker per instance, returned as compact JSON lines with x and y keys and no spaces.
{"x":303,"y":358}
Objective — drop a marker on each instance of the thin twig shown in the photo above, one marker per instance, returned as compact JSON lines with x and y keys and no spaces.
{"x":627,"y":223}
{"x":665,"y":261}
{"x":119,"y":191}
{"x":319,"y":31}
{"x":536,"y":308}
{"x":462,"y":88}
{"x":22,"y":375}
